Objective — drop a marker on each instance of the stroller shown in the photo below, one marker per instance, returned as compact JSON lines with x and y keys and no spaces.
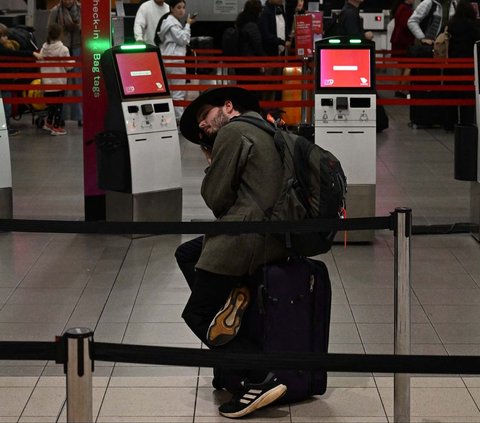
{"x":37,"y":110}
{"x":25,"y":37}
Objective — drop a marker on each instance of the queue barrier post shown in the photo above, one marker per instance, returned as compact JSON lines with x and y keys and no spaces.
{"x":305,"y":93}
{"x":79,"y":368}
{"x":401,"y":383}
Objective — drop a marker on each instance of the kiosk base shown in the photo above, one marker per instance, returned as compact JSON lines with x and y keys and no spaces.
{"x":159,"y":206}
{"x":475,"y":207}
{"x":6,"y":203}
{"x":360,"y":203}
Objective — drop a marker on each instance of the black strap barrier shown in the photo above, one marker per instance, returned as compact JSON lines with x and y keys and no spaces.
{"x":29,"y":350}
{"x":157,"y":228}
{"x":454,"y":228}
{"x":191,"y":357}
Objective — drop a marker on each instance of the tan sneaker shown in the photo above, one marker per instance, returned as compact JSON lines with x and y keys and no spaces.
{"x":226,"y":323}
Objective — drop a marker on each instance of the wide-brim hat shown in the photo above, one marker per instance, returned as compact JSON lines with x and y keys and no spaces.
{"x":214,"y":97}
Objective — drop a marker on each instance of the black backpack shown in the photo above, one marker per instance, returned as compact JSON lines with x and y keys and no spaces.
{"x":231,"y":41}
{"x":314,"y":186}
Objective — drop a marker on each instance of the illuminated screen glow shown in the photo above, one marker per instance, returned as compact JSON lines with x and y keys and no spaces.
{"x":140,"y":73}
{"x":345,"y":68}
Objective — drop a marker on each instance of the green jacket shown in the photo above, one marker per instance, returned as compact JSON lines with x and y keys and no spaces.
{"x":245,"y":165}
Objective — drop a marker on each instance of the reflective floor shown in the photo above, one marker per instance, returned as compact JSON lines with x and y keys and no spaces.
{"x":131,"y":291}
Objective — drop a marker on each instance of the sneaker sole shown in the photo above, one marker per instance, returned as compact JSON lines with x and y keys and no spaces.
{"x":266,"y":399}
{"x":227,"y":322}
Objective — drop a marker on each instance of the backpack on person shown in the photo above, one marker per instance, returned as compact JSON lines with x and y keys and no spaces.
{"x":440,"y":45}
{"x":314,"y":186}
{"x":231,"y":41}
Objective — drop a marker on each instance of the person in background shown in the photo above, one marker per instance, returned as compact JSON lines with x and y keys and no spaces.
{"x":275,"y":37}
{"x":8,"y":48}
{"x":402,"y":37}
{"x":464,"y":31}
{"x":173,"y":41}
{"x":146,"y":20}
{"x":350,"y":21}
{"x":273,"y":27}
{"x":429,"y":19}
{"x":67,"y":14}
{"x":292,"y":8}
{"x":54,"y":47}
{"x":250,"y":42}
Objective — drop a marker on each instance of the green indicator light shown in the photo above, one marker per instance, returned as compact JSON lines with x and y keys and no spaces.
{"x":355,"y":41}
{"x":99,"y":44}
{"x":133,"y":47}
{"x":334,"y":41}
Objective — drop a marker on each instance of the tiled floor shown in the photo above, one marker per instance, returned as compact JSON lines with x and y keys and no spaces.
{"x":131,"y":291}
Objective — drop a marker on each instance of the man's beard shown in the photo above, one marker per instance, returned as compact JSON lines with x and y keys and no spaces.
{"x":218,"y":122}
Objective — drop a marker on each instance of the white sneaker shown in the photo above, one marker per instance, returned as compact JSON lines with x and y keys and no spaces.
{"x":58,"y":131}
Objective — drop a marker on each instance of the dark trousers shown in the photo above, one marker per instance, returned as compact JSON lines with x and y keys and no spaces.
{"x":55,"y":110}
{"x":209,"y":294}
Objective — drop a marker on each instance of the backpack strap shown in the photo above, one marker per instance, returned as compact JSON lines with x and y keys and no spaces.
{"x":267,"y":127}
{"x":280,"y":146}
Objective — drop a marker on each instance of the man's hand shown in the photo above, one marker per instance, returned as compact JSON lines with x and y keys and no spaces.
{"x":368,"y":35}
{"x":426,"y":41}
{"x":207,"y":153}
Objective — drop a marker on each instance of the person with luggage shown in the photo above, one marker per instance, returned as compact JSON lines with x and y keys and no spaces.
{"x":429,"y":19}
{"x":54,"y":47}
{"x":173,"y":38}
{"x":146,"y":20}
{"x":243,"y":164}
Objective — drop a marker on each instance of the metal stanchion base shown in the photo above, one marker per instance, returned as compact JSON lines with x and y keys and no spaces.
{"x":6,"y":203}
{"x":475,"y":207}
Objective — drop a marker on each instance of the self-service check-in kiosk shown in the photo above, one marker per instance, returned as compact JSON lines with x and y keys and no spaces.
{"x":140,"y":123}
{"x":6,"y":203}
{"x":345,"y":118}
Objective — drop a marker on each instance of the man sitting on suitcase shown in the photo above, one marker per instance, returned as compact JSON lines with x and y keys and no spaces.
{"x":243,"y":164}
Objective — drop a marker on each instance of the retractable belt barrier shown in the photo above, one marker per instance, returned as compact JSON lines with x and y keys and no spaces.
{"x":447,"y":81}
{"x":192,"y":357}
{"x":141,"y":354}
{"x":28,"y":70}
{"x":164,"y":228}
{"x":76,"y":349}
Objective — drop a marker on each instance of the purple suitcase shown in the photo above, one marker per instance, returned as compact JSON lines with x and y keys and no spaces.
{"x":290,"y":312}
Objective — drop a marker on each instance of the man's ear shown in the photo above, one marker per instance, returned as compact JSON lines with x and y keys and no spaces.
{"x":228,"y":107}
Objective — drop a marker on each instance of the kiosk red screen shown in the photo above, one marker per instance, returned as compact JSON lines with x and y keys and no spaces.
{"x":345,"y":68}
{"x":140,"y":74}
